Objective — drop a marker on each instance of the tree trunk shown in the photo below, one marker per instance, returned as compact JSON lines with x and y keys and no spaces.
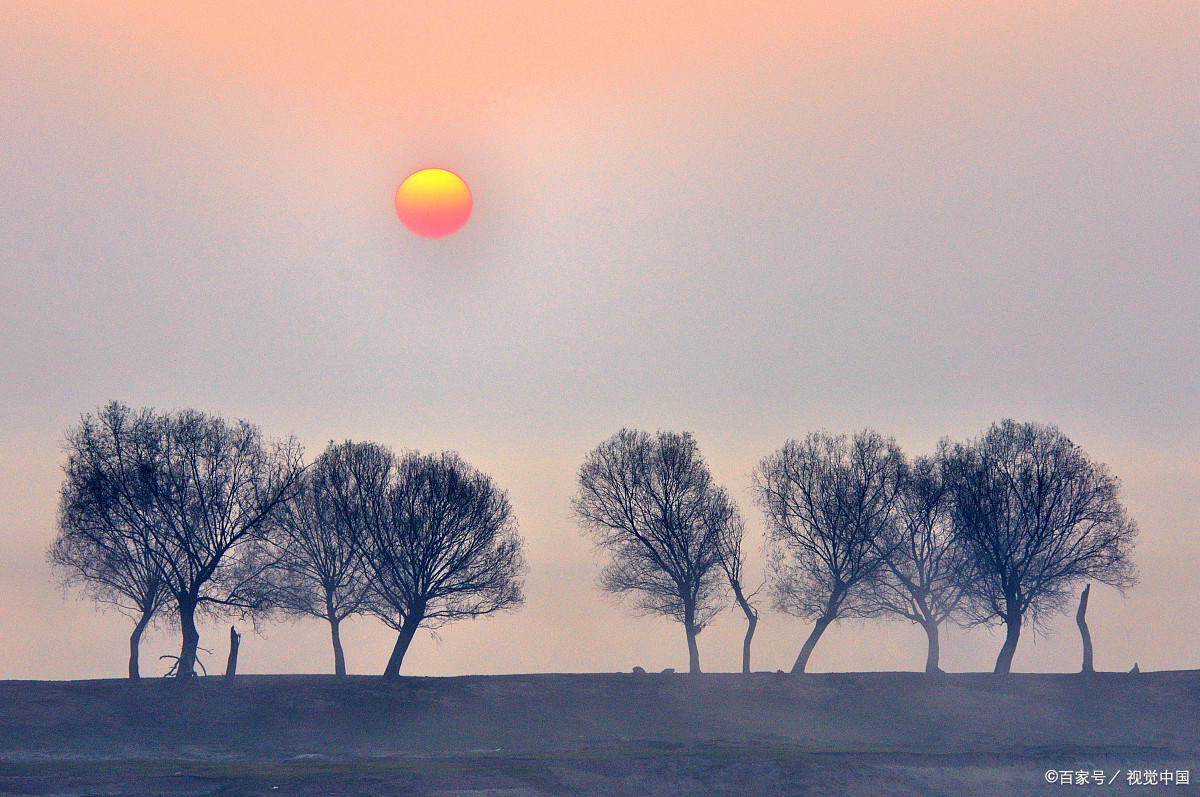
{"x":689,"y":628}
{"x":1083,"y":630}
{"x":339,"y":659}
{"x":818,"y":628}
{"x":751,"y":623}
{"x":931,"y":658}
{"x":693,"y":650}
{"x":1004,"y":660}
{"x":407,"y":630}
{"x":135,"y":641}
{"x":235,"y":639}
{"x":185,"y":667}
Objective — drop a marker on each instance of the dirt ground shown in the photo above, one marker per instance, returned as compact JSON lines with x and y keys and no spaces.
{"x":603,"y":734}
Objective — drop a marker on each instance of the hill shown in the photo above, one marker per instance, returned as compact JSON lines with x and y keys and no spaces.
{"x":596,"y":734}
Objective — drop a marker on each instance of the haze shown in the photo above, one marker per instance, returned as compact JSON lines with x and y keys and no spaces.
{"x":728,"y":218}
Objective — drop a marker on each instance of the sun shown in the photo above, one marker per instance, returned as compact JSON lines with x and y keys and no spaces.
{"x":433,"y":203}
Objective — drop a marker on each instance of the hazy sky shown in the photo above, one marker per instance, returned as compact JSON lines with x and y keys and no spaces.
{"x":735,"y":218}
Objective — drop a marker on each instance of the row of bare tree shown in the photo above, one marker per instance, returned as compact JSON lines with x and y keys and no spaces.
{"x":179,"y":514}
{"x":997,"y":530}
{"x":174,"y":515}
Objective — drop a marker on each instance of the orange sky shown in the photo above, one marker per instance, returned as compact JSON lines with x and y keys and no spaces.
{"x":379,"y":54}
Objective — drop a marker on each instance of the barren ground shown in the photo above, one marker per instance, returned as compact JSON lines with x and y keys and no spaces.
{"x":598,"y":734}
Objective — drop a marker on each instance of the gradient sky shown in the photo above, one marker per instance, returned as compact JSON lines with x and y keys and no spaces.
{"x":733,"y":218}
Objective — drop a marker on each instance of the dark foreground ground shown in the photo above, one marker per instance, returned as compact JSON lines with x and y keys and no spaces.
{"x":611,"y":735}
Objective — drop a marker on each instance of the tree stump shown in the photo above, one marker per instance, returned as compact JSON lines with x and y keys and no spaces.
{"x":1083,"y":630}
{"x":235,"y":639}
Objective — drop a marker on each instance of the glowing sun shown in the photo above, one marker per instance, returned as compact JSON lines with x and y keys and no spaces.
{"x":433,"y":203}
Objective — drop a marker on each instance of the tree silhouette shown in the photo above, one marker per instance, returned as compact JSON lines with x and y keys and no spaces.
{"x":1037,"y":516}
{"x":200,"y":492}
{"x":830,"y":504}
{"x":104,"y":546}
{"x":651,"y":504}
{"x":321,"y":571}
{"x":922,"y":580}
{"x":438,"y":539}
{"x":733,"y":562}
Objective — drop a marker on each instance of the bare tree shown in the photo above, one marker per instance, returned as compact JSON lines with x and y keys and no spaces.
{"x":438,"y":539}
{"x":320,"y":566}
{"x":830,"y":506}
{"x":1038,"y":516}
{"x":215,"y":486}
{"x":922,"y":580}
{"x":200,"y":491}
{"x":651,"y":503}
{"x":102,"y":545}
{"x":733,"y":562}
